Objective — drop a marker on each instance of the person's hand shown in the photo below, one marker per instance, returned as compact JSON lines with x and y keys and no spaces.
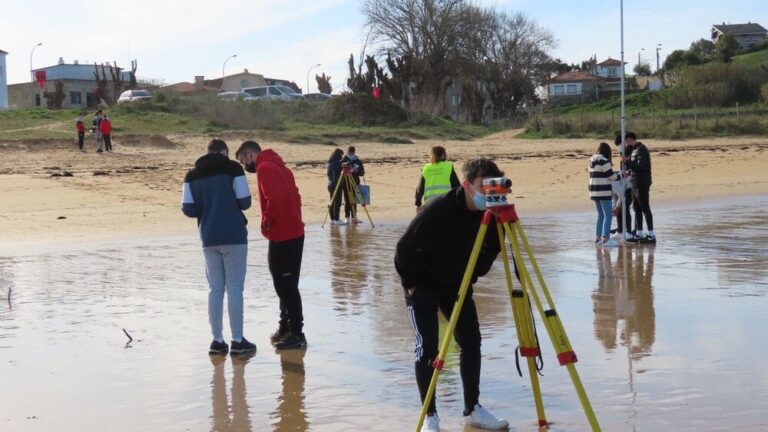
{"x":410,"y":291}
{"x":624,"y":158}
{"x":418,"y":209}
{"x":266,"y":225}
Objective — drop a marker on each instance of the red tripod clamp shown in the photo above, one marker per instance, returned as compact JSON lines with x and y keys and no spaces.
{"x":438,"y":364}
{"x":503,"y":214}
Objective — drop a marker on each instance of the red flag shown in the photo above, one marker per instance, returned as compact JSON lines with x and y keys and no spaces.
{"x":376,"y":93}
{"x":40,"y":78}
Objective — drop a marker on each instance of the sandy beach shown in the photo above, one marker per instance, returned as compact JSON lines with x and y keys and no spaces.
{"x":135,"y":191}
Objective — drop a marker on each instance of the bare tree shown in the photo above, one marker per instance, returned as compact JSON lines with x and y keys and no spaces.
{"x":55,"y":99}
{"x":324,"y":83}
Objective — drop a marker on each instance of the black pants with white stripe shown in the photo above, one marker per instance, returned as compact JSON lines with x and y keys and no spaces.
{"x":284,"y":260}
{"x":422,"y":310}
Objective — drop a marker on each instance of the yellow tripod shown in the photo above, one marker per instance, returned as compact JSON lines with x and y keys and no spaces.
{"x":346,"y":185}
{"x":507,"y":223}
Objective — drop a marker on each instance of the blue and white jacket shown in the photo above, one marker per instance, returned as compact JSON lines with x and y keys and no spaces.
{"x":216,"y":193}
{"x":601,"y":175}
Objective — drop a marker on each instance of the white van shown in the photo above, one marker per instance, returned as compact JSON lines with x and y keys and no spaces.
{"x":274,"y":92}
{"x":235,"y":96}
{"x":134,"y":95}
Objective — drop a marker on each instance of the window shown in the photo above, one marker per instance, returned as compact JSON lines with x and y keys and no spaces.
{"x":244,"y":83}
{"x":613,"y":72}
{"x":274,"y":91}
{"x":37,"y":100}
{"x":571,"y":89}
{"x":75,"y":98}
{"x":559,"y":89}
{"x":257,"y":92}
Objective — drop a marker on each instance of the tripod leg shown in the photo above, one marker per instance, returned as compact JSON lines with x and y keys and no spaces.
{"x":333,"y":198}
{"x":565,"y":354}
{"x":358,"y":194}
{"x":523,"y":325}
{"x":440,"y":360}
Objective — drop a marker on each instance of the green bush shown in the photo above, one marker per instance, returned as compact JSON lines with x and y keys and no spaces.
{"x":715,"y":84}
{"x":764,"y":92}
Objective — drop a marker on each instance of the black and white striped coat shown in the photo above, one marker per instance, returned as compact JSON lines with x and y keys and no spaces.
{"x":601,"y":175}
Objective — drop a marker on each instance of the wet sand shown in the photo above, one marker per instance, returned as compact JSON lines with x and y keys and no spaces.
{"x":135,"y":192}
{"x":668,"y":337}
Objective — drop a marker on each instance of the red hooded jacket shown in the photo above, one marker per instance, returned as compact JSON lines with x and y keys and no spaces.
{"x":279,"y":198}
{"x":105,"y":126}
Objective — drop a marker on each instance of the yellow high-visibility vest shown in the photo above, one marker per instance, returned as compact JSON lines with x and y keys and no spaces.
{"x":437,"y":179}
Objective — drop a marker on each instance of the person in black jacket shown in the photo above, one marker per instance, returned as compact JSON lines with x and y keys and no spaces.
{"x":627,"y":185}
{"x":639,"y":165}
{"x":431,"y":258}
{"x":356,"y":170}
{"x":334,"y":174}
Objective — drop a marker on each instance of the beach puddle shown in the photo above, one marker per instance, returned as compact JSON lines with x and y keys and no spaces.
{"x":669,"y":337}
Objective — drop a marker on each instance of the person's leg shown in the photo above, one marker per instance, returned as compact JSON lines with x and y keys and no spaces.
{"x":467,"y":335}
{"x":349,"y":197}
{"x":235,"y":262}
{"x":628,"y":210}
{"x":637,"y":204}
{"x":108,"y":142}
{"x":599,"y":221}
{"x":605,"y":206}
{"x":286,"y":270}
{"x":422,"y":312}
{"x":273,"y":262}
{"x":335,"y":202}
{"x":645,"y":198}
{"x":214,"y":271}
{"x":80,"y":140}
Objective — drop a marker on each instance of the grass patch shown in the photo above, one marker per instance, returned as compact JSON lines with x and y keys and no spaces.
{"x":395,"y":140}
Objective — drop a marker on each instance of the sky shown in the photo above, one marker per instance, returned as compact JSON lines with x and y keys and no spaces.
{"x":174,"y":40}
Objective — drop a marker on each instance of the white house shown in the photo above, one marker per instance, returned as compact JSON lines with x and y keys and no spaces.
{"x":573,"y":86}
{"x":3,"y":82}
{"x":746,"y":35}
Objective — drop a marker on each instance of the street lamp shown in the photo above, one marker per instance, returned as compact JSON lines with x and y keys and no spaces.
{"x":308,"y":71}
{"x":658,"y":47}
{"x":30,"y":59}
{"x":638,"y":55}
{"x":224,"y":65}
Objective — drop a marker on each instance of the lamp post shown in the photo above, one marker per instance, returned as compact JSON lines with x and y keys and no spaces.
{"x":30,"y":59}
{"x":658,"y":48}
{"x":308,"y":71}
{"x":638,"y":55}
{"x":224,"y":65}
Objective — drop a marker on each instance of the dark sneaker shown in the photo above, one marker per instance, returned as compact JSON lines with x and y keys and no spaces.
{"x":633,"y":239}
{"x":218,"y":348}
{"x":648,"y":240}
{"x":242,"y":347}
{"x":278,"y":335}
{"x":292,"y":341}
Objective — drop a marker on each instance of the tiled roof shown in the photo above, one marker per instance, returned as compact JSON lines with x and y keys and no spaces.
{"x":610,"y":62}
{"x":574,"y":76}
{"x":748,"y":28}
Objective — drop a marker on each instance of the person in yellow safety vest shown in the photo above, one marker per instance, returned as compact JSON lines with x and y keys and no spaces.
{"x":437,"y":178}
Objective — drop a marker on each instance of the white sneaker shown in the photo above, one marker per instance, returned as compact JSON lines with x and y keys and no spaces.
{"x":611,"y":244}
{"x":431,"y":424}
{"x":483,"y":419}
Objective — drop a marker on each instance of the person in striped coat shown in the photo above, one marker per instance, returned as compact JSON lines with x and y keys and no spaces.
{"x":601,"y":175}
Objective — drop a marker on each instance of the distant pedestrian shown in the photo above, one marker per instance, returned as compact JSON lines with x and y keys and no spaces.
{"x":216,"y":193}
{"x":626,"y":182}
{"x":333,"y":172}
{"x":96,"y":129}
{"x":106,"y":132}
{"x":639,"y":165}
{"x":437,"y":177}
{"x":80,"y":127}
{"x":356,"y":170}
{"x":601,"y":175}
{"x":282,"y":225}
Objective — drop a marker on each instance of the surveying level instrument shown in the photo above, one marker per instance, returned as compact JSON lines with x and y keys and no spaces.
{"x":508,"y":225}
{"x":346,"y":185}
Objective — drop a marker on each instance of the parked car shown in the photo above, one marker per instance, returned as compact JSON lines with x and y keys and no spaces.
{"x":274,"y":92}
{"x":235,"y":96}
{"x":134,"y":95}
{"x":317,"y":96}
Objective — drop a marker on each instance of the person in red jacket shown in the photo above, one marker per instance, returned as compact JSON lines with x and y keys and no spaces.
{"x":80,"y":126}
{"x":106,"y":132}
{"x":281,"y":224}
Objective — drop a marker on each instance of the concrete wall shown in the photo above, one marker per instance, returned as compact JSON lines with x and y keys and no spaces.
{"x":27,"y":95}
{"x":237,"y":82}
{"x":3,"y":82}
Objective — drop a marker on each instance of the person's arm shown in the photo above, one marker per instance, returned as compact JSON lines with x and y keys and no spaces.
{"x":272,"y":194}
{"x":642,"y":164}
{"x":488,"y":252}
{"x":454,"y":179}
{"x":242,"y":192}
{"x":361,"y":168}
{"x":188,"y":206}
{"x":411,"y":250}
{"x":420,"y":191}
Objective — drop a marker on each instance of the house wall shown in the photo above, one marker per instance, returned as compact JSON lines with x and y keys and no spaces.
{"x":237,"y":82}
{"x":609,"y":71}
{"x":3,"y":83}
{"x":83,"y":72}
{"x":585,"y":93}
{"x":29,"y":95}
{"x":747,"y":41}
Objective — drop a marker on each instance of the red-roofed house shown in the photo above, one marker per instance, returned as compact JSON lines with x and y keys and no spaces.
{"x":573,"y":86}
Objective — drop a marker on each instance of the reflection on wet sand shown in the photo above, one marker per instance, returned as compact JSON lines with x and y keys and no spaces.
{"x":290,"y":413}
{"x":625,"y":293}
{"x":225,"y":417}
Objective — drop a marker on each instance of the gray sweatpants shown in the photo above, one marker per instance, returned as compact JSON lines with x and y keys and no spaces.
{"x":225,"y":268}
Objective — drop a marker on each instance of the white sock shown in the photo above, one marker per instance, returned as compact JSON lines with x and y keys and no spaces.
{"x":237,"y":340}
{"x":651,"y":233}
{"x":220,"y":340}
{"x":639,"y":233}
